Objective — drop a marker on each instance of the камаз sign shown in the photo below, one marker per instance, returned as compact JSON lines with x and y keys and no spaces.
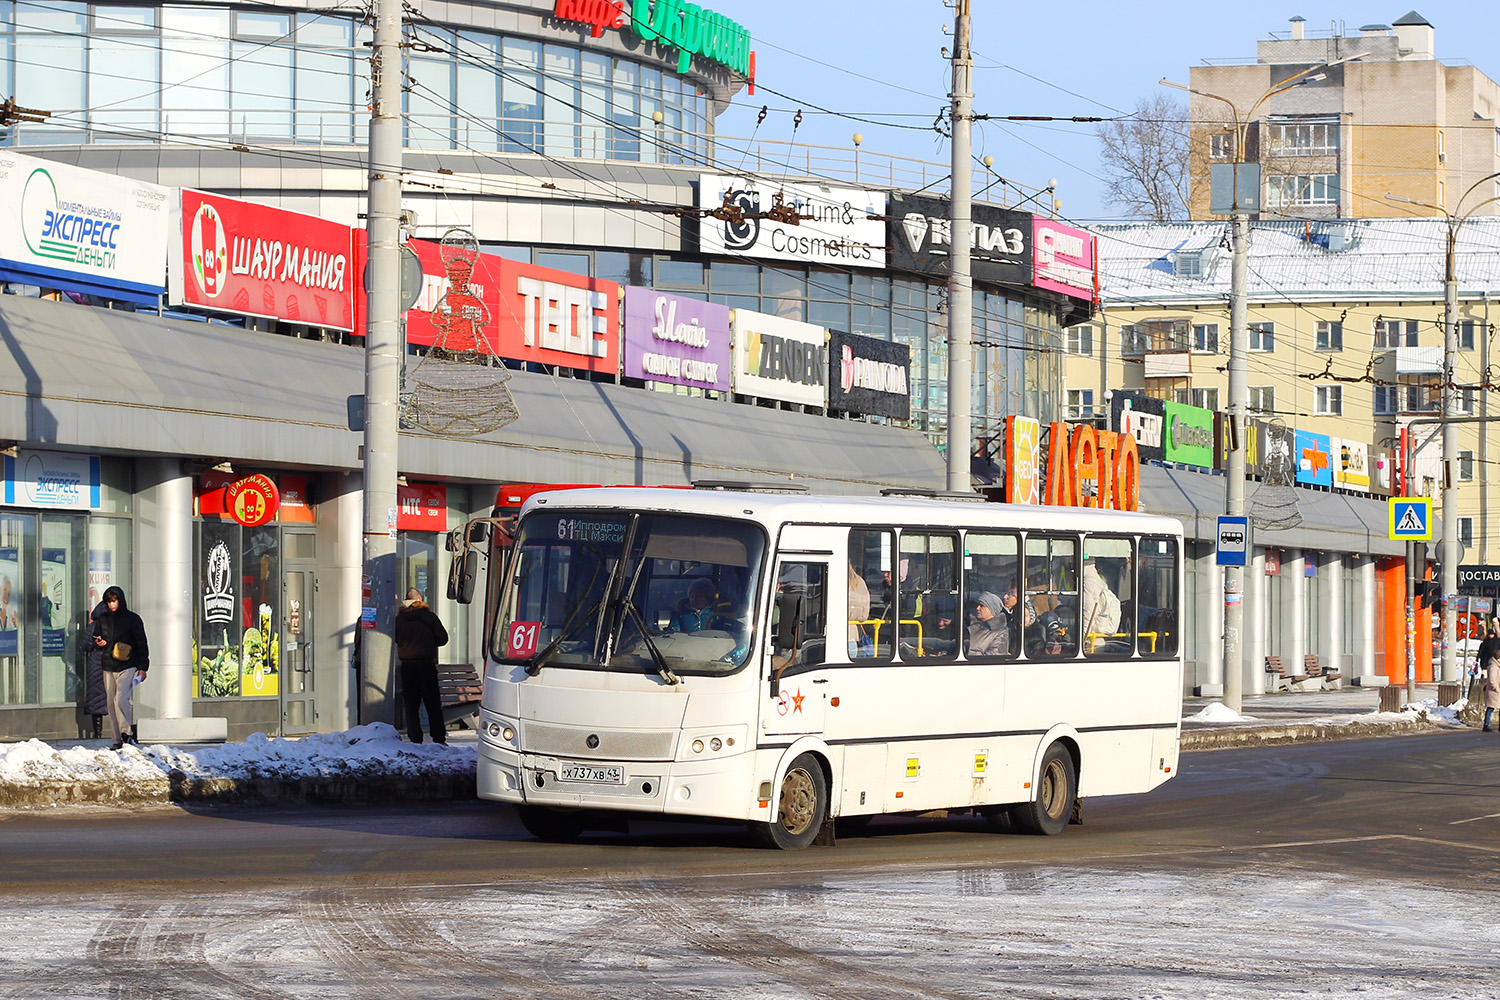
{"x":921,"y":240}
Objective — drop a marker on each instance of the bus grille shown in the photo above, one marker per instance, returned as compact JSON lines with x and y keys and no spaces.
{"x":613,"y":744}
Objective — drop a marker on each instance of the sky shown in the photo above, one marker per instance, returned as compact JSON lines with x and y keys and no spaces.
{"x":881,"y":60}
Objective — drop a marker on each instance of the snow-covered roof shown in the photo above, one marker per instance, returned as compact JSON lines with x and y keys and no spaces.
{"x":1319,"y":260}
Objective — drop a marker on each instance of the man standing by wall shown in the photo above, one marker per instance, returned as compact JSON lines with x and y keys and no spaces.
{"x":418,"y":636}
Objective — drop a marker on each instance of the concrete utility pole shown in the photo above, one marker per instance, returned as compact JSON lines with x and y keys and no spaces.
{"x":1448,"y":671}
{"x":1239,"y":387}
{"x":382,"y":366}
{"x":960,"y":282}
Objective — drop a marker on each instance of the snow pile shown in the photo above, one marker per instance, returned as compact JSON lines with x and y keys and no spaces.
{"x":371,"y":751}
{"x":1217,"y":711}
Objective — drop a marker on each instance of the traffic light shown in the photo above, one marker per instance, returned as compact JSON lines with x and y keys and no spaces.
{"x":1429,"y":592}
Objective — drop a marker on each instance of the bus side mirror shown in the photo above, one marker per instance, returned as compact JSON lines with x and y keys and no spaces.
{"x":454,"y":540}
{"x":461,"y":576}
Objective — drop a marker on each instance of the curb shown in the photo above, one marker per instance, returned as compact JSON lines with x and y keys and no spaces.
{"x":180,"y":788}
{"x":1259,"y":736}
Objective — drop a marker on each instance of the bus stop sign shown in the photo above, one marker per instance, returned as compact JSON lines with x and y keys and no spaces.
{"x":1234,"y":541}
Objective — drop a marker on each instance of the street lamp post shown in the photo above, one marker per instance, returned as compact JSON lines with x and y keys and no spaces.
{"x":1449,"y":545}
{"x":1239,"y":388}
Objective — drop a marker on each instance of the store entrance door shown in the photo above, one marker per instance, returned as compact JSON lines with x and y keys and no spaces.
{"x":298,"y":594}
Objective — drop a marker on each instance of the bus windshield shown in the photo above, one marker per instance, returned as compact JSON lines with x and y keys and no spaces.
{"x":632,"y":592}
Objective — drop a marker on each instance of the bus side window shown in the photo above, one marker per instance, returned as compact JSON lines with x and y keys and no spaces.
{"x":807,"y":581}
{"x":1157,"y":600}
{"x":992,"y":561}
{"x":1107,"y":598}
{"x":1051,"y":629}
{"x":871,"y":558}
{"x":928,"y":603}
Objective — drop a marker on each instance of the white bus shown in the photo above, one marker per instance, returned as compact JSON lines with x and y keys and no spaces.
{"x":791,"y":660}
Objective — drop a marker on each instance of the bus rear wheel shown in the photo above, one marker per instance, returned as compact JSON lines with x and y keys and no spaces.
{"x":550,"y":824}
{"x":1056,"y":789}
{"x":800,"y":808}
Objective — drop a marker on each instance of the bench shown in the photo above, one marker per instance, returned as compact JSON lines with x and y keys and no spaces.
{"x":461,"y":689}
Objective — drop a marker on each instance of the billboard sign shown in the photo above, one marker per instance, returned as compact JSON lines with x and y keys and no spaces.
{"x":82,"y":230}
{"x":669,"y":338}
{"x":1190,"y":435}
{"x":256,"y":260}
{"x":779,"y":358}
{"x":1143,"y":418}
{"x":921,"y":240}
{"x":56,"y":480}
{"x":835,"y":225}
{"x":1312,"y":457}
{"x":867,"y":375}
{"x":1351,"y":464}
{"x":1065,"y":259}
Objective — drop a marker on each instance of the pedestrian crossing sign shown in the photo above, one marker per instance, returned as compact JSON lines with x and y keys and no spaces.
{"x":1411,"y":519}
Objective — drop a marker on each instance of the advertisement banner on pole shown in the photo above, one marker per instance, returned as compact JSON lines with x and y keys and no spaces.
{"x":256,"y":260}
{"x":842,"y":227}
{"x":670,"y":338}
{"x":779,"y":358}
{"x":82,"y":230}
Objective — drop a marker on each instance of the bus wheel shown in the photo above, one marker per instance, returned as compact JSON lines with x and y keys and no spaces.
{"x":550,"y":824}
{"x":801,"y":808}
{"x":1056,"y":790}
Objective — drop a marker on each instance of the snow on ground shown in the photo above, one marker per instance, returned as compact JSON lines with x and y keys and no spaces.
{"x":364,"y":751}
{"x":1217,"y":711}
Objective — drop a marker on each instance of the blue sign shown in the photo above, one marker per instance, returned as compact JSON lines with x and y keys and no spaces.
{"x":1313,"y":458}
{"x":1234,"y":541}
{"x":1410,"y":519}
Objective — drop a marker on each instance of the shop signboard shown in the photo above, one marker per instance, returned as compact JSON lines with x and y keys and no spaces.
{"x":1065,"y":259}
{"x":1311,"y":459}
{"x":1351,"y":464}
{"x":1143,"y":418}
{"x":841,"y":227}
{"x":1254,"y":443}
{"x":82,"y":230}
{"x":673,"y":24}
{"x":54,"y":480}
{"x":777,"y":358}
{"x":252,"y":500}
{"x":256,"y":260}
{"x":422,"y":507}
{"x":669,"y":338}
{"x":921,"y":240}
{"x":868,"y":375}
{"x":1478,"y":576}
{"x":1023,"y":467}
{"x":1190,"y":435}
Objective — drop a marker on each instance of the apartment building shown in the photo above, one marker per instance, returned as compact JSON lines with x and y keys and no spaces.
{"x":1386,"y":118}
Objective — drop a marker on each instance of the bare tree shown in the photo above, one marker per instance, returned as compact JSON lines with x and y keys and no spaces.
{"x":1145,"y":160}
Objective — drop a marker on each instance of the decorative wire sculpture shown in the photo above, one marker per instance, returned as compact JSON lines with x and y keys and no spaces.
{"x":458,"y":388}
{"x":1273,"y":506}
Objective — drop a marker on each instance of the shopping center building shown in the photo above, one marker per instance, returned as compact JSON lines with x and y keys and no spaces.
{"x":150,"y":381}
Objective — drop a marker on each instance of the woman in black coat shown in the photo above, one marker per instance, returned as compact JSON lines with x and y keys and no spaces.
{"x":120,"y":637}
{"x":94,"y":701}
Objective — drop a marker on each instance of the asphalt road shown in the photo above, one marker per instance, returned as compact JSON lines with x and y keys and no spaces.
{"x":1364,"y":868}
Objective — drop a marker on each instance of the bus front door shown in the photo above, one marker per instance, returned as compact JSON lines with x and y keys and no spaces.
{"x":795,"y":677}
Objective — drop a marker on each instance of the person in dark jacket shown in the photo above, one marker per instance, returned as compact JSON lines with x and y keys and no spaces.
{"x":94,"y":701}
{"x":120,"y":637}
{"x":418,"y":636}
{"x":1489,"y":674}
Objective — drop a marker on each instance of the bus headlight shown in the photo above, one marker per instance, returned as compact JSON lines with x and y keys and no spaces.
{"x":500,"y":731}
{"x":698,"y":746}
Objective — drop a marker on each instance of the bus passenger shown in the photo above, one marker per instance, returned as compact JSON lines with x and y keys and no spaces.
{"x":696,"y":609}
{"x":859,"y":613}
{"x":988,"y":633}
{"x":1101,"y":608}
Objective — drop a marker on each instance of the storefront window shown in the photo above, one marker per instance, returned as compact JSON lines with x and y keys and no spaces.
{"x":18,"y":653}
{"x":60,"y":609}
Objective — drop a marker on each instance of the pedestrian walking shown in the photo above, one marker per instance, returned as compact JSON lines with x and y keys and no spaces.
{"x":419,"y":633}
{"x":120,"y":637}
{"x":1489,"y":665}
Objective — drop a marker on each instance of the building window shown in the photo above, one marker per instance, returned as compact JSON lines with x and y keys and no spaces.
{"x":1466,"y":466}
{"x":1296,"y":190}
{"x":1206,"y":337}
{"x":1081,"y":339}
{"x":1309,"y":138}
{"x":1263,"y":337}
{"x":1466,"y":532}
{"x":1221,"y":145}
{"x":1132,"y":339}
{"x":1466,"y":401}
{"x":1208,"y":399}
{"x":1176,"y":390}
{"x":1420,"y":393}
{"x":1465,"y":334}
{"x":1080,"y":404}
{"x":1391,"y":333}
{"x":1262,"y":399}
{"x":1330,"y":400}
{"x":1386,"y":399}
{"x":1330,"y":335}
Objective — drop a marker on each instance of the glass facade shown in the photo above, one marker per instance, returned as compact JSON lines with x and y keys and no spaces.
{"x":110,"y":73}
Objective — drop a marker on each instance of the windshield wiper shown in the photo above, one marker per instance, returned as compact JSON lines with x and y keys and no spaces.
{"x":662,"y":670}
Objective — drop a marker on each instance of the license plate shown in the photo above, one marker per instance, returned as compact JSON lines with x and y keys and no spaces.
{"x":608,"y":774}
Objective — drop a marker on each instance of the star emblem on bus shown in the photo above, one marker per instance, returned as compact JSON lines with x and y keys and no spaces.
{"x":797,"y":701}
